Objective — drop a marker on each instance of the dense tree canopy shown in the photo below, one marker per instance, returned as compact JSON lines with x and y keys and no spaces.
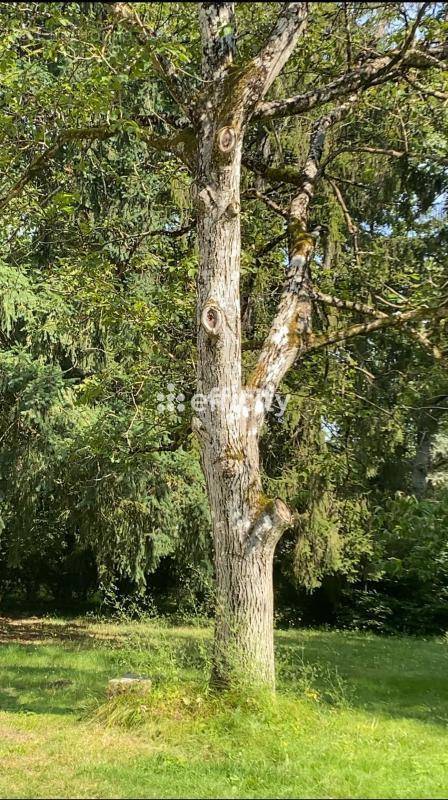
{"x":100,"y":481}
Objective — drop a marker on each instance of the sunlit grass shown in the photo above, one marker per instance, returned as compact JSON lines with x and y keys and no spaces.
{"x":355,"y":715}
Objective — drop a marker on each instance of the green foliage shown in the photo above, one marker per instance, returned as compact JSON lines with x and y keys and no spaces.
{"x":98,"y":486}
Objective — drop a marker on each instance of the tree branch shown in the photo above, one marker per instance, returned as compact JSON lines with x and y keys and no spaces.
{"x":270,"y":61}
{"x":424,"y":89}
{"x":385,"y":151}
{"x":349,"y":305}
{"x":352,"y":228}
{"x":290,"y":332}
{"x":282,"y":174}
{"x":377,"y":70}
{"x":173,"y":233}
{"x":292,"y":323}
{"x":362,"y":329}
{"x":370,"y":311}
{"x":409,"y":38}
{"x":287,"y":174}
{"x":243,"y":88}
{"x":218,"y":26}
{"x":269,"y":525}
{"x":256,"y":195}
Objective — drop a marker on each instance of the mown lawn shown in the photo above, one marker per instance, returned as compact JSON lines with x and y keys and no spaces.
{"x":355,"y":716}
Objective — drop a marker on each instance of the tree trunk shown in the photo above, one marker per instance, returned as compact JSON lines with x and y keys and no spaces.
{"x":246,"y":525}
{"x":244,"y":635}
{"x":244,"y":639}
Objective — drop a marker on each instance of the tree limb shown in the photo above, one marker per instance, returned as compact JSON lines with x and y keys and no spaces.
{"x":362,"y":329}
{"x":409,"y":38}
{"x":273,"y":56}
{"x":386,"y":151}
{"x":173,"y":233}
{"x":352,"y":228}
{"x":243,"y":88}
{"x":424,"y":89}
{"x":291,"y":329}
{"x":283,"y":174}
{"x":218,"y":26}
{"x":292,"y":323}
{"x":370,"y":311}
{"x":293,"y":176}
{"x":375,"y":71}
{"x":256,"y":195}
{"x":349,"y":305}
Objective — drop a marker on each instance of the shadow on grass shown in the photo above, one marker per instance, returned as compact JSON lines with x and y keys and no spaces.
{"x":52,"y":689}
{"x":398,"y":677}
{"x":52,"y":667}
{"x":33,"y":630}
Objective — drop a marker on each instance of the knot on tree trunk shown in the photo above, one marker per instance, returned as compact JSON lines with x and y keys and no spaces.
{"x":233,"y":209}
{"x":226,"y":138}
{"x":212,"y":319}
{"x":204,"y":199}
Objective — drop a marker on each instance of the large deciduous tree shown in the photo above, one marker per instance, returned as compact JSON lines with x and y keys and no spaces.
{"x":209,"y":128}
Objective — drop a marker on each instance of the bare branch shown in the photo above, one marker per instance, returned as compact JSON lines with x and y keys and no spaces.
{"x":352,"y":228}
{"x":425,"y":91}
{"x":349,"y":305}
{"x":427,"y":344}
{"x":375,"y":71}
{"x":347,"y":181}
{"x":255,"y":194}
{"x":364,"y":149}
{"x":409,"y":38}
{"x":370,"y":311}
{"x":364,"y":328}
{"x":348,"y":38}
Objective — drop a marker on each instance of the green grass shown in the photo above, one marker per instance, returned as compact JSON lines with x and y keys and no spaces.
{"x":355,"y":716}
